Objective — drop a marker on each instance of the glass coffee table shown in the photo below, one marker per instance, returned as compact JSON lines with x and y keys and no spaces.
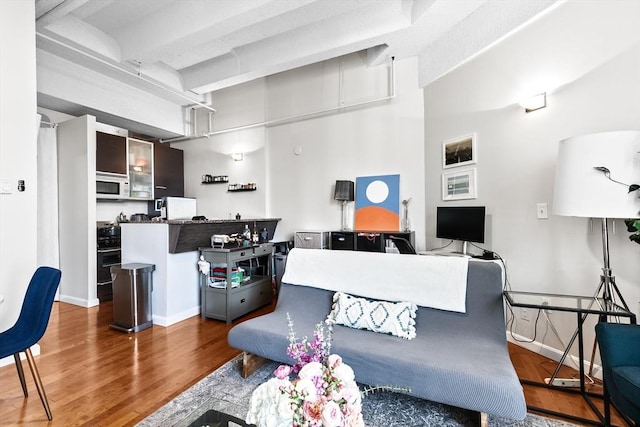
{"x":582,"y":306}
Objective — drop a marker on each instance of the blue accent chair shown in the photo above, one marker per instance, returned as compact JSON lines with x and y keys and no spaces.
{"x":30,"y":326}
{"x":620,"y":354}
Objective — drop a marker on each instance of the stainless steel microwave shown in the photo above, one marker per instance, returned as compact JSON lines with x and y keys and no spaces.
{"x":112,"y":187}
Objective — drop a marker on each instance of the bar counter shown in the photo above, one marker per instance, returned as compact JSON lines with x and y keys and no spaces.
{"x":189,"y":235}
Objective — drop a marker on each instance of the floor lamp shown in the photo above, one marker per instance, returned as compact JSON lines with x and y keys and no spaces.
{"x":591,"y":175}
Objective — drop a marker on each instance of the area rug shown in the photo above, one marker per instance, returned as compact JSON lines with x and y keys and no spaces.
{"x":225,"y":390}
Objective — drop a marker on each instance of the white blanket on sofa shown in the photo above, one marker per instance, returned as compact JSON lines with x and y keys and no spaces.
{"x":428,"y":281}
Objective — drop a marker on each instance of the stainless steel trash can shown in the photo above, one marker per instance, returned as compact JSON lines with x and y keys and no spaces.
{"x":132,"y":287}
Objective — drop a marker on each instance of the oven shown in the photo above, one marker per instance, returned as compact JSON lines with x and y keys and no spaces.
{"x":108,"y":255}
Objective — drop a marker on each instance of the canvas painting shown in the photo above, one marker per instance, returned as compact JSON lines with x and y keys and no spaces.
{"x":377,"y":203}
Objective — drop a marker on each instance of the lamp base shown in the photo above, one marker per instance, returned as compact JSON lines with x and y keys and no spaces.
{"x":345,"y":220}
{"x":607,"y":289}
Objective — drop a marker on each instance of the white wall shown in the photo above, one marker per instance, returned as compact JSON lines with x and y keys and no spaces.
{"x":378,"y":139}
{"x":586,"y":55}
{"x":77,"y":210}
{"x":381,"y":138}
{"x":18,"y":146}
{"x":238,"y":106}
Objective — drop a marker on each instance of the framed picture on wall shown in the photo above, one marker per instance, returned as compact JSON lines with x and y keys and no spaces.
{"x":459,"y":185}
{"x":377,"y":203}
{"x":460,"y":151}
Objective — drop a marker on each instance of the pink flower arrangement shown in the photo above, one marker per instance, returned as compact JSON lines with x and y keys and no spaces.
{"x":324,"y":394}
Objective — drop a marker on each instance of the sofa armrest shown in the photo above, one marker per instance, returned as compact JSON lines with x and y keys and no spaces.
{"x":619,"y":344}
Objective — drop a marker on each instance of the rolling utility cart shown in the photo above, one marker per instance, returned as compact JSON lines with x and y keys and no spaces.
{"x":230,"y":290}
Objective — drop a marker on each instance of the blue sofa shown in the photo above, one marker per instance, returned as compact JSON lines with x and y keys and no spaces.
{"x":459,"y":359}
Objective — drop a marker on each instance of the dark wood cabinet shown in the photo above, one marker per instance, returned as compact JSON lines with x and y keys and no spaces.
{"x":111,"y":153}
{"x":168,"y":166}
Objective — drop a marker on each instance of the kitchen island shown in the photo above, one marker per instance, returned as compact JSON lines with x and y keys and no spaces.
{"x":172,"y":246}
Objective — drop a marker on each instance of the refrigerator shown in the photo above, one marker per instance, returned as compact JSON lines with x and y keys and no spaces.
{"x":178,"y":208}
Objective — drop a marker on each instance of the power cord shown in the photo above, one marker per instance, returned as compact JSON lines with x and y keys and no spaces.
{"x":506,"y":285}
{"x":511,"y":317}
{"x":510,"y":323}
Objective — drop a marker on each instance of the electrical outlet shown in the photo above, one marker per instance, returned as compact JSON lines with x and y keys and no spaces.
{"x":545,"y":303}
{"x":524,"y":314}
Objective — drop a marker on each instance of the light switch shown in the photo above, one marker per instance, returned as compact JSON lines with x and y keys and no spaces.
{"x":541,"y":211}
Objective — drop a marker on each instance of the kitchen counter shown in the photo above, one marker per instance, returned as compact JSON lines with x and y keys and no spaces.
{"x":203,"y":221}
{"x":189,"y":235}
{"x":172,"y":246}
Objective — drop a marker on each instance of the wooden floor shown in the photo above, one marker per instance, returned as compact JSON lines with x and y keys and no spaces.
{"x":96,"y":376}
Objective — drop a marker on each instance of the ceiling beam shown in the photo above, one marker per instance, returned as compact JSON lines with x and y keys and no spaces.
{"x":48,"y":11}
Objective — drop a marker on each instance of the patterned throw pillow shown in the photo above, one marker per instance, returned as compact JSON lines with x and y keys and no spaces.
{"x":387,"y":317}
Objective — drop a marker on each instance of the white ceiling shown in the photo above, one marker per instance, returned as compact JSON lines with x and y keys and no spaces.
{"x":183,"y":49}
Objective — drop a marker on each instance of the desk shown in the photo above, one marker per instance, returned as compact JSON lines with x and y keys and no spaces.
{"x":582,"y":306}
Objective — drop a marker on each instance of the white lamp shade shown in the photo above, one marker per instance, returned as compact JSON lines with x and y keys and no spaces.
{"x":580,"y":190}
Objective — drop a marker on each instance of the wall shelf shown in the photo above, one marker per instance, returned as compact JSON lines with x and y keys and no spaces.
{"x":218,"y":179}
{"x":251,"y":186}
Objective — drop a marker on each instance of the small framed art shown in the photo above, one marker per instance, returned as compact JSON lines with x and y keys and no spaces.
{"x":460,"y":151}
{"x":459,"y":185}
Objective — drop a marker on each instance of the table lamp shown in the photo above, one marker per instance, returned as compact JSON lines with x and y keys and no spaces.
{"x":344,"y":192}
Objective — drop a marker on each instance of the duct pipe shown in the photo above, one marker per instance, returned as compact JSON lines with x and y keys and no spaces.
{"x":305,"y":116}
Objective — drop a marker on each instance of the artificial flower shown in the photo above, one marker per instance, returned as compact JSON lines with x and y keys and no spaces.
{"x":324,"y":394}
{"x":282,"y":372}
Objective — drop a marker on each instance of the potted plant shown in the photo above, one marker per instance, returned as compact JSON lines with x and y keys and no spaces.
{"x":633,"y":227}
{"x":633,"y":224}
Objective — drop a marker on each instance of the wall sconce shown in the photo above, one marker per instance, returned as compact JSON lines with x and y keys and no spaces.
{"x":534,"y":102}
{"x":237,"y":157}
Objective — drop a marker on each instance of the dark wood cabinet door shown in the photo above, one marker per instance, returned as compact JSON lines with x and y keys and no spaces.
{"x":168,"y":167}
{"x":111,"y":153}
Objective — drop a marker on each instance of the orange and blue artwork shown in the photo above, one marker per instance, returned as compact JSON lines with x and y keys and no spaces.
{"x":377,"y":203}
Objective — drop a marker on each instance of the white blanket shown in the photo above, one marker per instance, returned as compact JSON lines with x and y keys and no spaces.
{"x":428,"y":281}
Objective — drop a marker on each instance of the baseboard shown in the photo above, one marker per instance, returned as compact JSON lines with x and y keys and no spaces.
{"x":168,"y":321}
{"x":86,"y":303}
{"x":9,"y":360}
{"x":553,"y":353}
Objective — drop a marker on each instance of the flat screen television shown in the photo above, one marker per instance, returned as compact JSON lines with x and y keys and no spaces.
{"x":464,"y":223}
